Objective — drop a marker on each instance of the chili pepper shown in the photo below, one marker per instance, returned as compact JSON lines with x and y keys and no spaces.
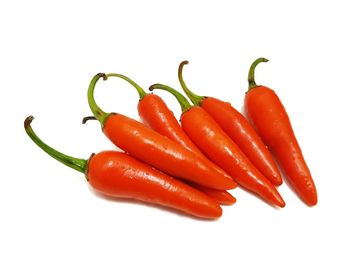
{"x":119,"y":175}
{"x":217,"y":146}
{"x":271,"y":121}
{"x":160,"y":152}
{"x":237,"y":127}
{"x":155,"y":114}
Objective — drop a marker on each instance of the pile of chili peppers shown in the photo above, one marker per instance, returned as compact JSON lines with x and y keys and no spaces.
{"x":190,"y":167}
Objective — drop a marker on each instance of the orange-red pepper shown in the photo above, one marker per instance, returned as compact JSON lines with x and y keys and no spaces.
{"x":119,"y":175}
{"x":157,"y":150}
{"x":271,"y":120}
{"x":217,"y":146}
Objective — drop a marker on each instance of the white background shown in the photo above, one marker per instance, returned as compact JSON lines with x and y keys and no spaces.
{"x":49,"y":52}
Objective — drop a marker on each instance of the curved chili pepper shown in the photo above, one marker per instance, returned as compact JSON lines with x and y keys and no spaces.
{"x":119,"y":175}
{"x":160,"y":152}
{"x":216,"y":145}
{"x":271,"y":120}
{"x":237,"y":127}
{"x":155,"y":113}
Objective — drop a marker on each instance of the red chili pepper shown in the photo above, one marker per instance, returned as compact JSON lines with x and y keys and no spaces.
{"x":217,"y":146}
{"x":271,"y":120}
{"x":119,"y":175}
{"x":238,"y":129}
{"x":160,"y":152}
{"x":156,"y":114}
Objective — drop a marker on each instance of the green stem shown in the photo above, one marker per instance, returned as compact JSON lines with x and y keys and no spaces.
{"x":140,"y":90}
{"x":100,"y":115}
{"x":75,"y":163}
{"x":184,"y":103}
{"x":196,"y":99}
{"x":251,"y":76}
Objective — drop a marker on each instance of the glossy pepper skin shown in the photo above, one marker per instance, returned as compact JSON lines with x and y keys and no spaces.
{"x":117,"y":174}
{"x":237,"y":127}
{"x":218,"y":147}
{"x":271,"y":121}
{"x":156,"y":150}
{"x":155,"y":114}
